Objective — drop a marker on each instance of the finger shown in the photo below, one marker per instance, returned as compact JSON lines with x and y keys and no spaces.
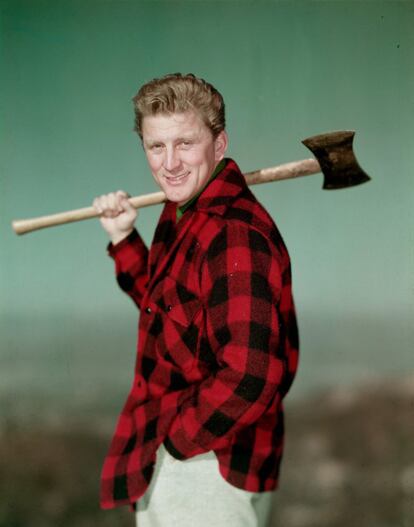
{"x":112,"y":201}
{"x":110,"y":205}
{"x":122,"y":194}
{"x":105,"y":206}
{"x":97,"y":206}
{"x":126,"y":205}
{"x":122,"y":199}
{"x":101,"y":203}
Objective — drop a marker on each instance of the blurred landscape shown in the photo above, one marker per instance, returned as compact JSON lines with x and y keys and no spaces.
{"x":349,"y":456}
{"x":349,"y":461}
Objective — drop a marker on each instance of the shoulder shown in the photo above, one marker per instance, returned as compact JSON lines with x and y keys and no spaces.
{"x":225,"y":235}
{"x":245,"y":223}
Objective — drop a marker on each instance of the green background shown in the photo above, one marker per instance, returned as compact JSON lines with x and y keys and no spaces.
{"x":287,"y":70}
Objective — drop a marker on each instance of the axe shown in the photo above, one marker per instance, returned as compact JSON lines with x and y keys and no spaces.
{"x":334,"y":158}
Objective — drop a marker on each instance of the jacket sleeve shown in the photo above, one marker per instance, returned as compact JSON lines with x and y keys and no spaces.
{"x":241,"y":280}
{"x":131,"y":259}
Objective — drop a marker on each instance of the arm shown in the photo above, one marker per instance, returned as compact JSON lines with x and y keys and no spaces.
{"x":128,"y":250}
{"x":241,"y":282}
{"x":131,"y":258}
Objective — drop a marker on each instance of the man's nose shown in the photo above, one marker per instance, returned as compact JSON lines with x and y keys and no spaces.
{"x":172,"y":159}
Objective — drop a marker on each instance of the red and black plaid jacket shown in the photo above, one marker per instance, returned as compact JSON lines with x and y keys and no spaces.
{"x":217,"y":342}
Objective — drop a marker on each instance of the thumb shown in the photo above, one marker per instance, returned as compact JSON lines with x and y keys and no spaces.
{"x":126,"y":205}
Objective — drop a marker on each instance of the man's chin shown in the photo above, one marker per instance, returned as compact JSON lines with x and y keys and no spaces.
{"x":179,"y":195}
{"x":179,"y":199}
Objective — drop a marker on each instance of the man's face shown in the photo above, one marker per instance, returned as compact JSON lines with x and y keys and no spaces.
{"x":181,"y":153}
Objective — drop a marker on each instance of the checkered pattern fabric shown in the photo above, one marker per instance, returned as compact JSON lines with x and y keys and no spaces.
{"x":217,"y":342}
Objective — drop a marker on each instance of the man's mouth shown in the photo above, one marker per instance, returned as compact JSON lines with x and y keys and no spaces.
{"x":176,"y":180}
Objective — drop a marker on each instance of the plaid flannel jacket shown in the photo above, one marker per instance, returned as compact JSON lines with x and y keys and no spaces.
{"x":217,"y":342}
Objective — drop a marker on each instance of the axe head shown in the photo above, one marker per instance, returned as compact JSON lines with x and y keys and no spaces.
{"x":338,"y":163}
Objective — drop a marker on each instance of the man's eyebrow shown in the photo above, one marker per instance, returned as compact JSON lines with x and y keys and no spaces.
{"x":151,"y":142}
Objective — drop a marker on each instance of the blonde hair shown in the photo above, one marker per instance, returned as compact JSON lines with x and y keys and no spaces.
{"x":177,"y":93}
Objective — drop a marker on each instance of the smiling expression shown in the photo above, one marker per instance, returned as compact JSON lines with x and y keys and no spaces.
{"x":181,"y":152}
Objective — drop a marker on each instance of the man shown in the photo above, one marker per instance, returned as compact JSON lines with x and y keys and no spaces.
{"x":199,"y":441}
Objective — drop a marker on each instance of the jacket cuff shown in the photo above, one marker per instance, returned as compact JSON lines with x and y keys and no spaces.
{"x":113,"y":250}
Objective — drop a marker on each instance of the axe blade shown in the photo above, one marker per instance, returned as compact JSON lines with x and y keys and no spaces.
{"x":334,"y":152}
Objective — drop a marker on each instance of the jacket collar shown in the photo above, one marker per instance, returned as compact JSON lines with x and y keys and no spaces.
{"x":219,"y":195}
{"x":216,"y":198}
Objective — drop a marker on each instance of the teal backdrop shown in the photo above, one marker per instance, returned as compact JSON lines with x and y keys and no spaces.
{"x":287,"y":70}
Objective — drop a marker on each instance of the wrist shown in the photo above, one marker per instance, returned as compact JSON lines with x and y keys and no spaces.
{"x":119,"y":236}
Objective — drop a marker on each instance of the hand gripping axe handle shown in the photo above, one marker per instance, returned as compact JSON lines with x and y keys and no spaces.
{"x":334,"y":158}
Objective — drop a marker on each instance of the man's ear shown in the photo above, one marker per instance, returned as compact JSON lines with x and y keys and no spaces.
{"x":220,"y":145}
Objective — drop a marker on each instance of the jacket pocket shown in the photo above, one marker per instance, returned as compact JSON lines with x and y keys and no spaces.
{"x":180,"y":312}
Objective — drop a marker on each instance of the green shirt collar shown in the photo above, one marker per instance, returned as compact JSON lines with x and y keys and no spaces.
{"x":183,"y":208}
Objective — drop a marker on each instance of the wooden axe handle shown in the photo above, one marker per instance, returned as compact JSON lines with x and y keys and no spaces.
{"x":265,"y":175}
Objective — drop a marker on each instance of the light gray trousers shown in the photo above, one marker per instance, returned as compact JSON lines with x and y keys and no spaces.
{"x":193,"y":493}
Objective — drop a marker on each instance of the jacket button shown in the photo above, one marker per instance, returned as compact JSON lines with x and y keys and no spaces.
{"x":148,"y":310}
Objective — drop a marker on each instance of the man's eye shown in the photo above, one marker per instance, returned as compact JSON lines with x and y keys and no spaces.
{"x":186,"y":144}
{"x":156,"y":148}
